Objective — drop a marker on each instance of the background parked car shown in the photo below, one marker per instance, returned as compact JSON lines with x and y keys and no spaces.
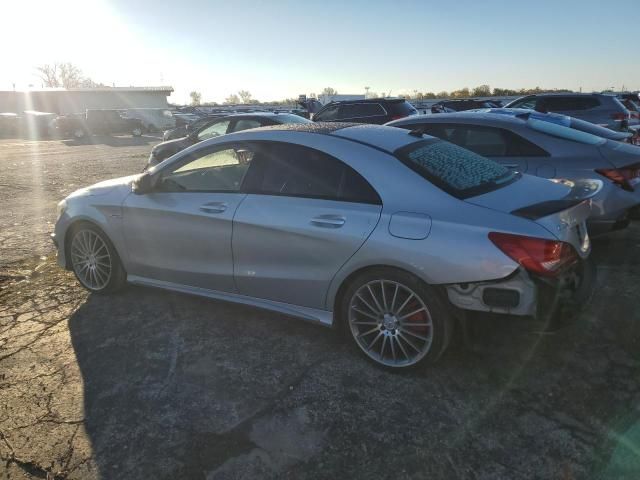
{"x":188,"y":127}
{"x":220,"y":126}
{"x":153,"y":119}
{"x":377,"y":111}
{"x":9,"y":123}
{"x":545,"y":146}
{"x":302,"y":219}
{"x":598,"y":108}
{"x":106,"y":122}
{"x":462,"y":105}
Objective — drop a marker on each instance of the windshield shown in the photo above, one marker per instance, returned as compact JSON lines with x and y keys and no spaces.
{"x":456,"y":170}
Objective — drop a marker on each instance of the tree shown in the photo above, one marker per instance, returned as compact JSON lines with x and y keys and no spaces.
{"x":462,"y":93}
{"x":65,"y":75}
{"x":232,"y":99}
{"x":482,"y":91}
{"x":196,"y":97}
{"x":328,"y":91}
{"x":245,"y":96}
{"x":443,"y":94}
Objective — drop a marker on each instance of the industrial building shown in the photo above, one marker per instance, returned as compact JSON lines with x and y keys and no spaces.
{"x":76,"y":100}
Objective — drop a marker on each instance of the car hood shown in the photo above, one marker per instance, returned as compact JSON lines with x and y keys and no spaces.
{"x":106,"y":187}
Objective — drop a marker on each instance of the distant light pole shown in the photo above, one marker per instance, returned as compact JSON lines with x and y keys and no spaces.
{"x":366,"y":92}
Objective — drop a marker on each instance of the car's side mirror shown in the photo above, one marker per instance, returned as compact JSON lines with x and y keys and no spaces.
{"x":143,"y":184}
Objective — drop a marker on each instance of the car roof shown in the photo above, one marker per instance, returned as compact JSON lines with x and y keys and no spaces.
{"x":569,"y":94}
{"x":380,"y":137}
{"x":484,"y":116}
{"x":369,"y":100}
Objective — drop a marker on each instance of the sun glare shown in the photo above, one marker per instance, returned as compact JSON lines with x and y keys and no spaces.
{"x":85,"y":33}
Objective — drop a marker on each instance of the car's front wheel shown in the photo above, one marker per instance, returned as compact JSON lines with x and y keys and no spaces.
{"x":94,"y":259}
{"x":395,"y":319}
{"x":137,"y":132}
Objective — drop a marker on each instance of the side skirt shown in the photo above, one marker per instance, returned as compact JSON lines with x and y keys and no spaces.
{"x":322,"y":317}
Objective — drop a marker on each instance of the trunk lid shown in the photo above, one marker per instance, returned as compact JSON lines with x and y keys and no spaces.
{"x":560,"y":206}
{"x":620,"y":154}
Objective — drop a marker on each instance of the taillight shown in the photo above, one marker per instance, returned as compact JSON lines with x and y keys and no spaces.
{"x":627,"y":177}
{"x":397,"y":117}
{"x":537,"y":255}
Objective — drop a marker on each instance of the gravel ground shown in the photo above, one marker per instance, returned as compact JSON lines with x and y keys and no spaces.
{"x":149,"y":384}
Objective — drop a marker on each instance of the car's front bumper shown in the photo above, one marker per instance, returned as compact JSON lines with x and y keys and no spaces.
{"x":528,"y":295}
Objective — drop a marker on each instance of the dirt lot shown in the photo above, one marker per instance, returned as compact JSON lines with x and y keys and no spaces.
{"x":148,"y":384}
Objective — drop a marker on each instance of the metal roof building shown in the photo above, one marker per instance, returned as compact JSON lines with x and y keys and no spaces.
{"x":77,"y":100}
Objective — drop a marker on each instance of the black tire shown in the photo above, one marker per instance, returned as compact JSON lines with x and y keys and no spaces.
{"x":136,"y":132}
{"x":437,"y":314}
{"x":79,"y":133}
{"x":78,"y":260}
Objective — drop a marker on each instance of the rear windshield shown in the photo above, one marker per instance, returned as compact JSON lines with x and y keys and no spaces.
{"x":455,"y":170}
{"x":401,"y":108}
{"x":567,"y":133}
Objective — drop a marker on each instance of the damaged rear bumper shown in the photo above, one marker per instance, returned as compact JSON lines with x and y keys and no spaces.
{"x":528,"y":295}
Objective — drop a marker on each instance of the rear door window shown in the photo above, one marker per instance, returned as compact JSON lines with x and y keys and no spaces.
{"x":560,"y":104}
{"x":296,"y":171}
{"x":486,"y":141}
{"x":455,"y":170}
{"x":361,"y":110}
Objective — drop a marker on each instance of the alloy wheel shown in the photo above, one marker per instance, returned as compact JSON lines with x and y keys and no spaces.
{"x":390,"y":323}
{"x":91,"y":260}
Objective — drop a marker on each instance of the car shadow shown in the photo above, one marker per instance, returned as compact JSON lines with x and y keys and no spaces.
{"x":182,"y":387}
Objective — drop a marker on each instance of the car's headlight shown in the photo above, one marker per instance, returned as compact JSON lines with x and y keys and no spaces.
{"x":62,"y":207}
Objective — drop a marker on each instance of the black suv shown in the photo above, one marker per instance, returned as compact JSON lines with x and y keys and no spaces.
{"x":449,"y":106}
{"x":374,"y":110}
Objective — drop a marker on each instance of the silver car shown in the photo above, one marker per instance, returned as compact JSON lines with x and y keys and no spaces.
{"x":389,"y":234}
{"x":549,"y":146}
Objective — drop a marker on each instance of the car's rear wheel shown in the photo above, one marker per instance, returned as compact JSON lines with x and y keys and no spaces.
{"x":94,"y":260}
{"x":79,"y":133}
{"x":136,"y":132}
{"x":395,"y":319}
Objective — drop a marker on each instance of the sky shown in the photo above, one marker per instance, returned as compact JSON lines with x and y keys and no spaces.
{"x":279,"y":49}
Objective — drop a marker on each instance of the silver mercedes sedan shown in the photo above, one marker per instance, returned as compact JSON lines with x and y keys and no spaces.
{"x":390,"y":234}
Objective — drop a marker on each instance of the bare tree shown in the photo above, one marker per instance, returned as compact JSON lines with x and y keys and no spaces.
{"x":245,"y":96}
{"x":70,"y":76}
{"x":49,"y":75}
{"x":232,"y":99}
{"x":329,"y":91}
{"x":196,"y":97}
{"x":65,"y":75}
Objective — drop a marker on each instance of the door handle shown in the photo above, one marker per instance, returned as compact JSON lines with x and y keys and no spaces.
{"x":328,"y":221}
{"x":214,"y":207}
{"x":510,"y":165}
